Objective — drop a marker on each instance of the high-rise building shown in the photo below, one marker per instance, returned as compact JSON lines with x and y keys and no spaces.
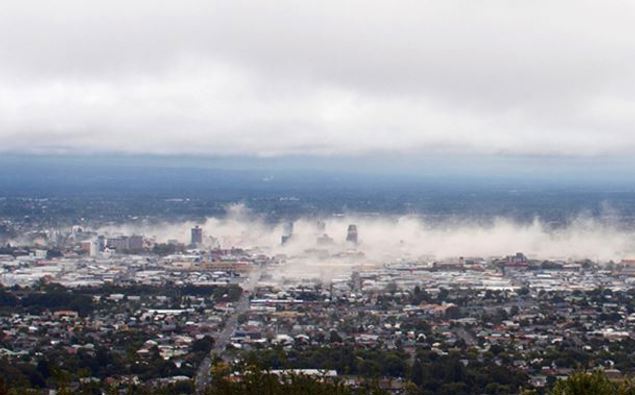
{"x":351,"y":234}
{"x":90,"y":247}
{"x":101,"y":242}
{"x":135,"y":243}
{"x":517,"y":260}
{"x":94,"y":249}
{"x":287,"y":232}
{"x":84,"y":246}
{"x":120,"y":243}
{"x":197,"y":235}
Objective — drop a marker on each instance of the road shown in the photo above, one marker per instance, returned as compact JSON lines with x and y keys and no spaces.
{"x":221,"y":339}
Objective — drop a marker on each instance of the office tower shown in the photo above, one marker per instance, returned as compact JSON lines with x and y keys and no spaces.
{"x":120,"y":243}
{"x":101,"y":243}
{"x":351,"y":234}
{"x":136,"y":243}
{"x":197,"y":236}
{"x":287,"y":232}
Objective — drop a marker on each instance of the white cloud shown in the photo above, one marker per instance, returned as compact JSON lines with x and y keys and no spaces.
{"x":272,"y":78}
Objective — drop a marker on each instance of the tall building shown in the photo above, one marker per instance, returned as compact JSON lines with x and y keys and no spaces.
{"x":85,"y":246}
{"x":135,"y":243}
{"x":121,"y":243}
{"x":517,"y":260}
{"x":351,"y":234}
{"x":90,"y":247}
{"x":101,"y":242}
{"x":287,"y":232}
{"x":197,"y":235}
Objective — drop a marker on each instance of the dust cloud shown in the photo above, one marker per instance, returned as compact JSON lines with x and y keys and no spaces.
{"x":390,"y":238}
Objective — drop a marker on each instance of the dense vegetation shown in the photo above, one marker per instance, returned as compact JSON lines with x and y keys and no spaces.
{"x":257,"y":381}
{"x":54,"y":297}
{"x":344,"y":358}
{"x":44,"y":297}
{"x":429,"y":372}
{"x":247,"y":379}
{"x":592,"y":383}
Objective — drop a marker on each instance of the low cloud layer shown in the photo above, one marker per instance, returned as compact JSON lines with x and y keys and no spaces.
{"x":345,"y":78}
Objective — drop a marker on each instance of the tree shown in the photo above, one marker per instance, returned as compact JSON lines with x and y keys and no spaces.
{"x":4,"y":389}
{"x":203,"y":345}
{"x":443,"y":295}
{"x":524,"y":291}
{"x":417,"y":372}
{"x":411,"y":389}
{"x":514,"y":310}
{"x":256,"y":381}
{"x":591,"y":383}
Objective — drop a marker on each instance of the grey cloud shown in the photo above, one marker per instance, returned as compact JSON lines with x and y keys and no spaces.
{"x":284,"y":77}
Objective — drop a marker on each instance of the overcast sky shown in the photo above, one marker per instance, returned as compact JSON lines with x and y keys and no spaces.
{"x":318,"y":78}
